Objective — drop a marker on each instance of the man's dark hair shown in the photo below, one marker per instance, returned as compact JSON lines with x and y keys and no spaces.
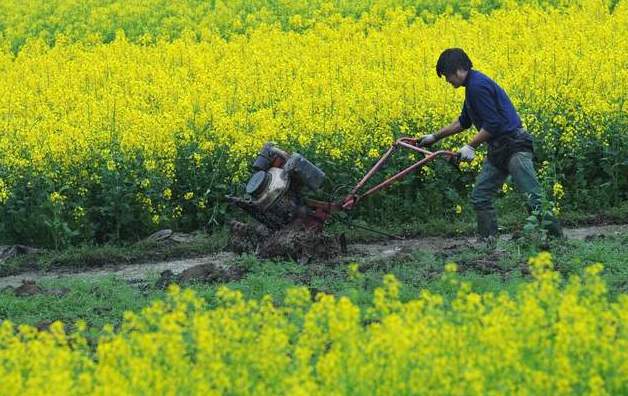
{"x":451,"y":60}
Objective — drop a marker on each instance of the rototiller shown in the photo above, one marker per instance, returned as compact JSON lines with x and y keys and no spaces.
{"x":274,"y":194}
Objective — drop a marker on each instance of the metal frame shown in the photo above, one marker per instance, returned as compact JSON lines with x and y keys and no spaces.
{"x":323,"y":209}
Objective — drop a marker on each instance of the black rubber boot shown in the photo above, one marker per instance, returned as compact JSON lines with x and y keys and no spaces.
{"x":487,"y":224}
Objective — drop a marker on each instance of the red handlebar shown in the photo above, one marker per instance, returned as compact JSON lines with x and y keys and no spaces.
{"x":350,"y":201}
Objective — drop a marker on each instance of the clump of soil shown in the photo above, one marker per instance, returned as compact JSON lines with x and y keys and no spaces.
{"x":30,"y":288}
{"x":295,"y":241}
{"x":454,"y":249}
{"x":209,"y":273}
{"x":301,"y":243}
{"x":246,"y":238}
{"x":206,"y":273}
{"x":487,"y":264}
{"x":169,"y":236}
{"x":9,"y":252}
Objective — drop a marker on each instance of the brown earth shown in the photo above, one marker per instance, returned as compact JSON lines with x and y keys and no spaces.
{"x":215,"y":267}
{"x":30,"y":288}
{"x":293,"y":242}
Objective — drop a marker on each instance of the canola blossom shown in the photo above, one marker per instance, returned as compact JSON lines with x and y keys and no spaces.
{"x":136,"y":135}
{"x":146,"y":22}
{"x":550,"y":337}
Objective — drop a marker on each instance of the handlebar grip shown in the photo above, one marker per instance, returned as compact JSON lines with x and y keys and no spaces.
{"x":454,"y":160}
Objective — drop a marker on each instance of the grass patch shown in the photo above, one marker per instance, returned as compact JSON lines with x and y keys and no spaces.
{"x":103,"y":300}
{"x":86,"y":257}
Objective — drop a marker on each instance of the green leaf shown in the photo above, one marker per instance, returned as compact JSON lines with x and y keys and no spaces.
{"x":529,"y":228}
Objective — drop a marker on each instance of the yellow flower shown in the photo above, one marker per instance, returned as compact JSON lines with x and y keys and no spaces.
{"x":57,"y":198}
{"x":5,"y":194}
{"x":79,"y":213}
{"x":81,"y":325}
{"x":82,"y":191}
{"x":594,"y":269}
{"x":111,"y":166}
{"x":352,"y":271}
{"x":558,"y":191}
{"x":373,"y":153}
{"x":451,"y":267}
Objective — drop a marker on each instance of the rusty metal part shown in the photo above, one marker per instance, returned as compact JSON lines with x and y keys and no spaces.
{"x":281,"y":212}
{"x":353,"y":198}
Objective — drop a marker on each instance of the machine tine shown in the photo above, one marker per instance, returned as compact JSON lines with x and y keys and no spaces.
{"x":349,"y":223}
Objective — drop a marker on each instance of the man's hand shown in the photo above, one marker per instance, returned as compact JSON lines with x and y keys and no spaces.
{"x":427,"y":140}
{"x":467,"y":153}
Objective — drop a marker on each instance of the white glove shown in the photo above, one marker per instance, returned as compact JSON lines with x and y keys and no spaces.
{"x":467,"y":153}
{"x":427,"y":140}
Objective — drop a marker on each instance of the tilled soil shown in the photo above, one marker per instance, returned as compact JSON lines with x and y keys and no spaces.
{"x":217,"y":267}
{"x":293,"y":242}
{"x":301,"y":244}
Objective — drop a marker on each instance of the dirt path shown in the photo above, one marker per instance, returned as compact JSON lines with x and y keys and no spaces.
{"x":356,"y":252}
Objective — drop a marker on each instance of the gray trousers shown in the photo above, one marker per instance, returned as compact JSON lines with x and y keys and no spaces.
{"x":490,"y":181}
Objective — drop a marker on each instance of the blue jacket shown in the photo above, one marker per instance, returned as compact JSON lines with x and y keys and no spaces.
{"x":486,"y":105}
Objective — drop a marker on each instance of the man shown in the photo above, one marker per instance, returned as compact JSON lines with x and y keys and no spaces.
{"x":510,"y":152}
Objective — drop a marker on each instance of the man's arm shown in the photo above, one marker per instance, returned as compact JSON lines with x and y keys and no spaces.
{"x":455,"y":127}
{"x":432,"y":138}
{"x":480,"y":138}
